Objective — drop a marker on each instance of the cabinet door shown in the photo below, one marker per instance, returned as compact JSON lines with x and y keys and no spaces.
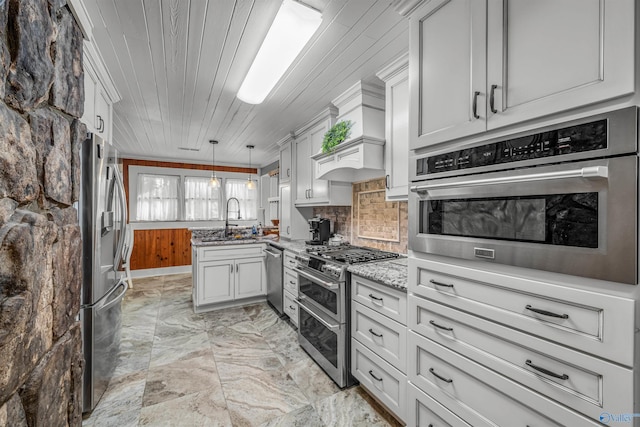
{"x":285,"y":163}
{"x":215,"y":281}
{"x":319,"y":187}
{"x":448,"y":71}
{"x":543,"y":58}
{"x":249,"y":278}
{"x":285,"y":211}
{"x":396,"y":148}
{"x":90,"y":82}
{"x":303,"y":168}
{"x":103,"y":114}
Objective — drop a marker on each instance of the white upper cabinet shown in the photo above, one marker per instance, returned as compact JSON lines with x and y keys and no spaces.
{"x":311,"y":191}
{"x":100,"y":94}
{"x":396,"y":149}
{"x":479,"y":65}
{"x":448,"y":70}
{"x":285,"y":163}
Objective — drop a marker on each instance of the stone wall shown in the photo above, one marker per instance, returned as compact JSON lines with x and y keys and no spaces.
{"x":41,"y":99}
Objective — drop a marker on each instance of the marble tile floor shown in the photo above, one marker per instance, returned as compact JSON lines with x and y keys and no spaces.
{"x":232,"y":367}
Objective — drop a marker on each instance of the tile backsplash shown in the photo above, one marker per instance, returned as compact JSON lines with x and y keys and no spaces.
{"x":370,"y":221}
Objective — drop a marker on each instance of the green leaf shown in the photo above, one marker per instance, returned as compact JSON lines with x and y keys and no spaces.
{"x":337,"y":134}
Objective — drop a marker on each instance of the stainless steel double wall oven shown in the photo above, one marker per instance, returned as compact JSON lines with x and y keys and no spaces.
{"x":561,"y":198}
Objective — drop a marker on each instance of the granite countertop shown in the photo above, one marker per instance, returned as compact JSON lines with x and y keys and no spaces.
{"x":227,"y":242}
{"x":390,"y":273}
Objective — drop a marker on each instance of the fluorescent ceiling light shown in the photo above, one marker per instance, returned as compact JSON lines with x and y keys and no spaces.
{"x":292,"y":28}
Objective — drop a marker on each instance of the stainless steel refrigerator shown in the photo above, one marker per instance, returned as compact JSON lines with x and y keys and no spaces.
{"x":103,"y":218}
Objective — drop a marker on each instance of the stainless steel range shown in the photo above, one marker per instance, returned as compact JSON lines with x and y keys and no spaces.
{"x":323,"y":298}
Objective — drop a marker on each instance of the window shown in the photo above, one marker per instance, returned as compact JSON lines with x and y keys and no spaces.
{"x":201,"y":201}
{"x":248,"y":199}
{"x":157,"y":198}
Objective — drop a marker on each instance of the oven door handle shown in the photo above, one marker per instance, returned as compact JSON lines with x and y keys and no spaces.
{"x":305,"y":307}
{"x":588,"y":172}
{"x":332,"y":286}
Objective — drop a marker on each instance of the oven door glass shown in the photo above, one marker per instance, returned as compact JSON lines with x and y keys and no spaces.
{"x":556,"y":219}
{"x":323,"y":339}
{"x":319,"y":294}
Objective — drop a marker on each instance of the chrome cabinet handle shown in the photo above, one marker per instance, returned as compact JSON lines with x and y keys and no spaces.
{"x":546,"y":371}
{"x":375,"y":297}
{"x":444,"y":328}
{"x":546,"y":313}
{"x":475,"y":105}
{"x":288,"y":229}
{"x":386,"y":182}
{"x":492,"y":99}
{"x":374,"y":377}
{"x":601,"y":172}
{"x":288,"y":172}
{"x":374,"y":333}
{"x":446,"y":285}
{"x":440,"y":377}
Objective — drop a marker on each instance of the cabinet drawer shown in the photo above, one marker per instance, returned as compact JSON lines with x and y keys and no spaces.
{"x":230,"y":252}
{"x":385,"y":337}
{"x":380,"y":298}
{"x":291,"y":307}
{"x":472,"y":391}
{"x":423,"y":411}
{"x":593,"y":322}
{"x":289,"y":260}
{"x":592,"y":385}
{"x":290,"y":282}
{"x":381,"y":379}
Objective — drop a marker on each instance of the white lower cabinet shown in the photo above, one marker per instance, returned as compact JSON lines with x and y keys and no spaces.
{"x":424,"y":411}
{"x":290,"y":285}
{"x":478,"y":395}
{"x":379,"y":341}
{"x":291,"y":307}
{"x":228,"y":275}
{"x":498,"y":350}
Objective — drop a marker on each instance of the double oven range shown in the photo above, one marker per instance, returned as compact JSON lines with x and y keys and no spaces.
{"x":324,"y":299}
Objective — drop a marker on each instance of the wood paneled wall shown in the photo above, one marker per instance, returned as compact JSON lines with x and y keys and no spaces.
{"x":165,"y":247}
{"x":161,"y":248}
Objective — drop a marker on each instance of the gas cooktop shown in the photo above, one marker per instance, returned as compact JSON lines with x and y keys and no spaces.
{"x":348,"y":254}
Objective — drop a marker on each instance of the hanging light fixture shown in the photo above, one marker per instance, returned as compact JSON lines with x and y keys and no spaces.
{"x":250,"y":183}
{"x":215,"y":182}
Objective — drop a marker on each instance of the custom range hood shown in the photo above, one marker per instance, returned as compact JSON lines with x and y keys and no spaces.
{"x":361,"y":156}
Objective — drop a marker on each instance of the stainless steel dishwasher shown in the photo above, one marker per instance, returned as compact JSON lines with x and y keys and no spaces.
{"x":274,"y":277}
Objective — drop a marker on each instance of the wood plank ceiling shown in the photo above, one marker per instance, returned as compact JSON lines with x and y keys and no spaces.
{"x":179,"y":63}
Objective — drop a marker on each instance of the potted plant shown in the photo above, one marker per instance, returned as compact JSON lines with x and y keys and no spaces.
{"x":337,"y":134}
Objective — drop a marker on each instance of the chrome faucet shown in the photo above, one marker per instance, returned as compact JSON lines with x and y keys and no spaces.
{"x":226,"y":215}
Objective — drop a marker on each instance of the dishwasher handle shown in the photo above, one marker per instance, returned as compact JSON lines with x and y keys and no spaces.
{"x":273,"y":254}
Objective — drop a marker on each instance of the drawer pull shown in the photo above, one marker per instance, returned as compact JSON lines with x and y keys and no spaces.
{"x":374,"y":333}
{"x":546,"y":371}
{"x":547,"y":313}
{"x":292,"y":307}
{"x":440,"y":377}
{"x":446,"y":285}
{"x":374,"y":377}
{"x":292,"y":282}
{"x":375,"y":297}
{"x":445,"y":328}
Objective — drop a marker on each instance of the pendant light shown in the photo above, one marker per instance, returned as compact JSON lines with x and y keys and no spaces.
{"x":215,"y":182}
{"x":250,"y":184}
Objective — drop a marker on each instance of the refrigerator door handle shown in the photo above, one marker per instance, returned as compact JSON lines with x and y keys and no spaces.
{"x":123,"y":211}
{"x":104,"y":305}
